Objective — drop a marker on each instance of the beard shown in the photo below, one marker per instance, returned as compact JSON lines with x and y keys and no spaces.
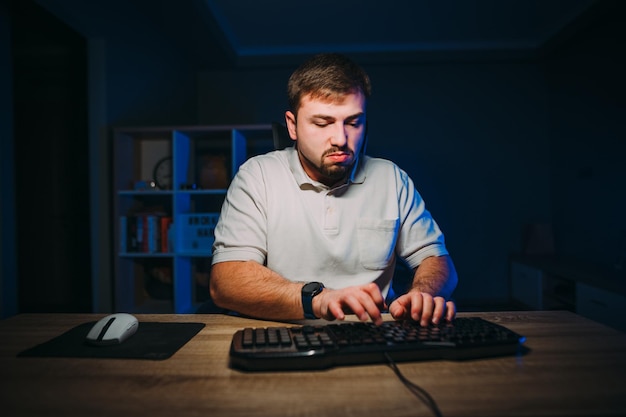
{"x":334,"y":172}
{"x":331,"y":170}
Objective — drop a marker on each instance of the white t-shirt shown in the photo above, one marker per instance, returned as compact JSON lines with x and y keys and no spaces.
{"x":347,"y":235}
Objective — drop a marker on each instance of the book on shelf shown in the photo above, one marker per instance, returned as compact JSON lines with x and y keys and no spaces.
{"x":165,"y":230}
{"x":145,"y":232}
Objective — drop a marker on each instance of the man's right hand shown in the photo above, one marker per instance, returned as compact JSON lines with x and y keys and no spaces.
{"x":365,"y":301}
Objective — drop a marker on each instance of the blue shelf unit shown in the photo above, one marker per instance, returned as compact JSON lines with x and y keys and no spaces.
{"x":163,"y":229}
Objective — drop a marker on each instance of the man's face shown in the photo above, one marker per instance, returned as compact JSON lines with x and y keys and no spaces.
{"x":330,"y":135}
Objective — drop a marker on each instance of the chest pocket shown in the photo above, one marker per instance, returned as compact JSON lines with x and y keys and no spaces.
{"x":376,"y":239}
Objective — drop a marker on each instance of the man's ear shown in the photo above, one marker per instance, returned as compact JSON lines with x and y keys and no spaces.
{"x":290,"y":119}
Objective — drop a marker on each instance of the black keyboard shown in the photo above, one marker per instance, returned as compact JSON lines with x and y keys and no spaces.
{"x":355,"y":343}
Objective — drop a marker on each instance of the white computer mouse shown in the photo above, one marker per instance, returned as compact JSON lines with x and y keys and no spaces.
{"x":113,"y":329}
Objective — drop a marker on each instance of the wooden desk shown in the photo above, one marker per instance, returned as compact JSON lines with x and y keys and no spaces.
{"x":576,"y":368}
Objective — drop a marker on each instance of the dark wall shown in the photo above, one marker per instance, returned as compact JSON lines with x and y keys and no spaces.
{"x":587,"y":101}
{"x":148,"y":81}
{"x":473,"y":136}
{"x":8,"y":259}
{"x":51,"y":164}
{"x":142,"y":79}
{"x":147,"y":104}
{"x":492,"y":146}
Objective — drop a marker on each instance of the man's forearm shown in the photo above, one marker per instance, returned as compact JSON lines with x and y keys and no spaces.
{"x":436,"y":275}
{"x":252,"y":289}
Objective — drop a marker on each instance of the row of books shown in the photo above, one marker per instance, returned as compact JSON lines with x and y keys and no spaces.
{"x":155,"y":233}
{"x":146,"y":232}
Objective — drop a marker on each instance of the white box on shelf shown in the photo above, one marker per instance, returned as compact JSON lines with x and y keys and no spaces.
{"x":195,"y":232}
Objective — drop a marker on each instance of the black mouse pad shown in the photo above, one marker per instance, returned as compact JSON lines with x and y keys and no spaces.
{"x":152,"y":340}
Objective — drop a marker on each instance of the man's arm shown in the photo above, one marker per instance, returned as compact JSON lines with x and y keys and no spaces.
{"x":427,"y":300}
{"x":254,"y":290}
{"x":436,"y":275}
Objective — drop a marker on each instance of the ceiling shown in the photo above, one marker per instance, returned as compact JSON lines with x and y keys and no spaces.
{"x":252,"y":33}
{"x":383,"y":29}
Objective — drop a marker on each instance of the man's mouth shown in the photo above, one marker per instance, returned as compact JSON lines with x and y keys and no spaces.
{"x":338,"y":157}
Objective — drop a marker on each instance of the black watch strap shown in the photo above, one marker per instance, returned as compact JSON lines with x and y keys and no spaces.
{"x":310,"y":290}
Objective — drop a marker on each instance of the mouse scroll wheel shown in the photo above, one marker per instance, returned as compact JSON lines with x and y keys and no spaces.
{"x":105,"y":328}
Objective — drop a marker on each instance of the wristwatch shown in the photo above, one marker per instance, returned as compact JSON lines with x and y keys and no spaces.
{"x":310,"y":290}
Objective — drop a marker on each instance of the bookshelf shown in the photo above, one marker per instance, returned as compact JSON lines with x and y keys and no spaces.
{"x":169,"y":184}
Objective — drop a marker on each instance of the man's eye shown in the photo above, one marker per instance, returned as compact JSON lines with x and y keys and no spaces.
{"x":321,"y":124}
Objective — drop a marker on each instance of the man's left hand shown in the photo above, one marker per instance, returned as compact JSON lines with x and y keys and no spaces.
{"x":422,"y":307}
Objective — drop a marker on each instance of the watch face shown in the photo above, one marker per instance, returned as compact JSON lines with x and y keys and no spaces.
{"x":312,"y":288}
{"x":163,"y":173}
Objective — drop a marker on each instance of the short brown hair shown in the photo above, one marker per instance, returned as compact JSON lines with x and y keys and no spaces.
{"x":327,"y":76}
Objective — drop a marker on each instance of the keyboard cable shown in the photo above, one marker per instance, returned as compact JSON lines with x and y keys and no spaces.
{"x":415,"y":389}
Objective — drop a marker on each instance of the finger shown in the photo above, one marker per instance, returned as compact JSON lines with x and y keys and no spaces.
{"x":397,"y":310}
{"x":427,"y":309}
{"x":364,"y":303}
{"x":450,"y":310}
{"x":440,"y":306}
{"x":356,"y":306}
{"x":370,"y":308}
{"x":375,"y":295}
{"x":335,"y":310}
{"x":373,"y":311}
{"x":373,"y":302}
{"x":417,"y":302}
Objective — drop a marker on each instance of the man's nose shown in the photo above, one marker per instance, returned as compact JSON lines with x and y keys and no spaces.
{"x":339,"y":136}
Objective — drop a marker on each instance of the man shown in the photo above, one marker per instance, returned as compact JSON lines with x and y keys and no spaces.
{"x":313,"y":231}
